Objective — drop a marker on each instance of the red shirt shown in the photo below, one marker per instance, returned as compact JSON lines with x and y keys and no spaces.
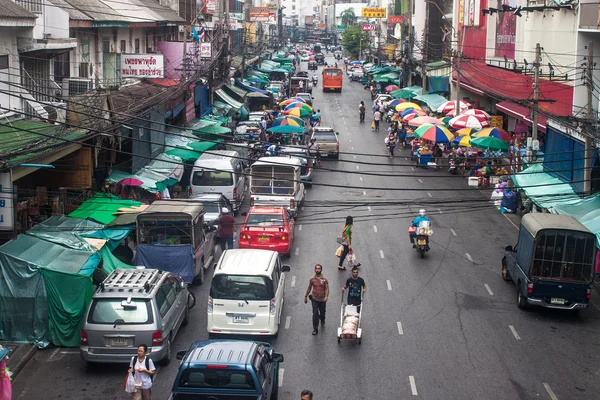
{"x":226,"y":223}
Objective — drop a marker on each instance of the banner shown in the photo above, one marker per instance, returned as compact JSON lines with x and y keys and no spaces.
{"x":210,"y":7}
{"x":259,"y":14}
{"x":206,"y":50}
{"x":142,"y":66}
{"x":369,"y":27}
{"x":497,"y":121}
{"x":396,"y":19}
{"x":373,"y":12}
{"x":506,"y":32}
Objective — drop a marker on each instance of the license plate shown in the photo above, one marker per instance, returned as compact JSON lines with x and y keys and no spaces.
{"x":240,"y":319}
{"x":422,"y":242}
{"x":263,"y":238}
{"x":556,"y":300}
{"x":119,"y":342}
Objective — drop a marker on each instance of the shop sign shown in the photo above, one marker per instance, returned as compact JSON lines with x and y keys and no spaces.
{"x":210,"y":7}
{"x":259,"y":14}
{"x":6,"y":202}
{"x":369,"y":27}
{"x":396,"y":19}
{"x":374,"y":12}
{"x":321,"y":26}
{"x":497,"y":121}
{"x":142,"y":66}
{"x":205,"y":50}
{"x":236,"y":16}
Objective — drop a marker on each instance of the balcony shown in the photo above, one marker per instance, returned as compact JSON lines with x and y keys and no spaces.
{"x":589,"y":17}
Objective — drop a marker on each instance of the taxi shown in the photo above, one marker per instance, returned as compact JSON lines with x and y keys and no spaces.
{"x":268,"y":228}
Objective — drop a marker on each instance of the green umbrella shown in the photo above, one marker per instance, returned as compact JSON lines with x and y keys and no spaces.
{"x":215,"y":129}
{"x":403,"y":94}
{"x":490,"y":143}
{"x":184,"y":154}
{"x":286,"y":129}
{"x":202,"y":146}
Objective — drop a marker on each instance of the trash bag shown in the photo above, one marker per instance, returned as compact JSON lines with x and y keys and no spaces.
{"x":130,"y":384}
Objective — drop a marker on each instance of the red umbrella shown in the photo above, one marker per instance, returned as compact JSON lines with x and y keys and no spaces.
{"x":476,"y":112}
{"x":450,"y":105}
{"x":134,"y":182}
{"x":391,"y":88}
{"x":469,"y":121}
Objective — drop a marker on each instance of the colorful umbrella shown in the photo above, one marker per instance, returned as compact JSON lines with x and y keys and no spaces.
{"x":286,"y":129}
{"x":421,"y":120}
{"x":288,"y":120}
{"x":287,"y":102}
{"x":299,"y":105}
{"x":476,"y":112}
{"x":395,"y":102}
{"x":391,"y":88}
{"x":490,"y":143}
{"x":469,"y":121}
{"x":464,"y":132}
{"x":133,"y":182}
{"x":298,"y":112}
{"x":462,"y":141}
{"x":434,"y":133}
{"x":446,"y":120}
{"x":495,"y":133}
{"x":404,"y":106}
{"x":450,"y":105}
{"x":409,"y":111}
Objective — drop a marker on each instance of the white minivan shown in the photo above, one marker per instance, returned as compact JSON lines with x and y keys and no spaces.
{"x":221,"y":171}
{"x":246,"y":294}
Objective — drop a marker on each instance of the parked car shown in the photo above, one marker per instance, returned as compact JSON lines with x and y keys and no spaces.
{"x":304,"y":57}
{"x":213,"y":207}
{"x":383,"y":97}
{"x":133,"y":306}
{"x":312,"y":66}
{"x":357,"y":73}
{"x":247,"y":293}
{"x":227,"y":370}
{"x":307,"y":97}
{"x":302,"y":74}
{"x":328,"y":140}
{"x":268,"y":228}
{"x":244,"y":129}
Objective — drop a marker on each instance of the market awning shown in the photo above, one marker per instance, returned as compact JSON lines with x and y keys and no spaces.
{"x":224,"y":107}
{"x":166,"y":165}
{"x":251,"y":88}
{"x":151,"y":182}
{"x":237,"y":90}
{"x":203,"y":146}
{"x":236,"y":105}
{"x":521,"y":113}
{"x":184,"y":154}
{"x":102,"y":207}
{"x":433,"y":101}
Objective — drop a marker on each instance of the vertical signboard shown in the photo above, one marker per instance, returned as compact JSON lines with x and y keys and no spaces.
{"x":206,"y":50}
{"x":7,"y":220}
{"x":506,"y":32}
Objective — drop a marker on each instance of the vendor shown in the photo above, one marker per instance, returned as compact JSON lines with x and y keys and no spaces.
{"x":5,"y":385}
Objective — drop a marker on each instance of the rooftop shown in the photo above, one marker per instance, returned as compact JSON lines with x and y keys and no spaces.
{"x":9,"y":9}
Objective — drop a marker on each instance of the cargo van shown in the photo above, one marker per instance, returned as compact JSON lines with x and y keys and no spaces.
{"x":221,"y":171}
{"x":246,"y":293}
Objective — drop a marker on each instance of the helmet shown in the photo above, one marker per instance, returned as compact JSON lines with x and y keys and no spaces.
{"x":422,"y":212}
{"x":225,"y":210}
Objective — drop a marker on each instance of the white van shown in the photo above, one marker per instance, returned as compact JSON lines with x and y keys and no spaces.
{"x":221,"y":171}
{"x":246,"y":294}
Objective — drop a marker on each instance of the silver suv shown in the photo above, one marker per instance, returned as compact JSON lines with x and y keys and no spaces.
{"x":132,"y":307}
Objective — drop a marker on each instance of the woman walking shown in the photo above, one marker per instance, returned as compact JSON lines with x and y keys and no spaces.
{"x":392,"y":139}
{"x":346,"y":242}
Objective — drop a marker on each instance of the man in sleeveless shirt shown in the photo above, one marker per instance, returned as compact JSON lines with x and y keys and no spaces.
{"x":319,"y":286}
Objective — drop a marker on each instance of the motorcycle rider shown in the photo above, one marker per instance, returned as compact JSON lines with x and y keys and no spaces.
{"x":361,"y":111}
{"x":415,"y":224}
{"x":315,"y":80}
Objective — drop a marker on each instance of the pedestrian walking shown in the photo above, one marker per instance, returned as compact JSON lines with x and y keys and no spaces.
{"x":361,"y":111}
{"x":5,"y":385}
{"x":346,"y":242}
{"x":377,"y":119}
{"x":392,"y":139}
{"x":356,"y":289}
{"x":314,"y":151}
{"x":318,"y":293}
{"x":306,"y":395}
{"x":226,"y":229}
{"x":142,"y":368}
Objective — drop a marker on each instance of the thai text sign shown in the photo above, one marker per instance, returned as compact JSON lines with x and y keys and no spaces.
{"x":206,"y":50}
{"x":396,"y":19}
{"x":368,"y":27}
{"x":6,"y":202}
{"x":497,"y":121}
{"x":371,"y":12}
{"x":142,"y":66}
{"x":259,"y":14}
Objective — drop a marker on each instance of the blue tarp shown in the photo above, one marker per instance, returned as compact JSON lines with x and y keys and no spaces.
{"x":176,"y":259}
{"x":250,"y":88}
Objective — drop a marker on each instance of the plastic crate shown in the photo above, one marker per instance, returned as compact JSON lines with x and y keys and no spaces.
{"x":474,"y":181}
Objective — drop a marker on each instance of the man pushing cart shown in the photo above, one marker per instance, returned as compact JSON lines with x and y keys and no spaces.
{"x":351,"y":314}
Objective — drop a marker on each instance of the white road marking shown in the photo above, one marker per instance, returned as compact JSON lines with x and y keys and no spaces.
{"x":351,"y":148}
{"x":451,"y":230}
{"x":302,"y":208}
{"x":413,"y":386}
{"x":156,"y":371}
{"x":488,"y":289}
{"x":354,"y":157}
{"x":69,"y":352}
{"x":300,"y":227}
{"x":357,"y":167}
{"x":514,"y":332}
{"x":412,"y":168}
{"x":405,"y":158}
{"x":400,"y":330}
{"x":375,"y":228}
{"x":364,"y":193}
{"x":280,"y":380}
{"x":509,"y":220}
{"x":429,"y":194}
{"x":369,"y":208}
{"x":293,"y":283}
{"x":350,"y":140}
{"x":550,"y":392}
{"x":381,"y":253}
{"x":389,"y":284}
{"x":23,"y":393}
{"x":440,"y":211}
{"x":53,"y":355}
{"x":420,"y":181}
{"x":360,"y":177}
{"x":288,"y":320}
{"x":297,"y":250}
{"x":469,"y":257}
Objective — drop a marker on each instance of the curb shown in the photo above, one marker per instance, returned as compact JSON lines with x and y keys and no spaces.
{"x":23,"y":361}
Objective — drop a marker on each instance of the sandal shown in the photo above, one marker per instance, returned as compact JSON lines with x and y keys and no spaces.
{"x":342,"y":268}
{"x":315,"y":332}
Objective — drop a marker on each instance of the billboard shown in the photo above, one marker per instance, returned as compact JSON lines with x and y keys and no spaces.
{"x":370,"y":12}
{"x":142,"y":66}
{"x":259,"y":14}
{"x":506,"y":31}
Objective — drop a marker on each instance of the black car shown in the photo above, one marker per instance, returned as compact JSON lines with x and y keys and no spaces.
{"x":302,"y":74}
{"x":313,"y":66}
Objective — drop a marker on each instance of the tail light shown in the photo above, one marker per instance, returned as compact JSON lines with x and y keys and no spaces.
{"x":83,"y":339}
{"x":252,"y":201}
{"x":209,"y":306}
{"x":235,"y":194}
{"x":588,"y":295}
{"x":190,"y":192}
{"x":530,"y":288}
{"x":272,"y":306}
{"x":337,"y":146}
{"x":283,"y":237}
{"x":292,"y":204}
{"x":307,"y":171}
{"x":157,"y":338}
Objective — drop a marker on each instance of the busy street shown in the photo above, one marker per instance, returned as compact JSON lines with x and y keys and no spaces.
{"x":439,"y":326}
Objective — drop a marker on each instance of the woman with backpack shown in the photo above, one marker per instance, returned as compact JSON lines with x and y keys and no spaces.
{"x":142,"y":367}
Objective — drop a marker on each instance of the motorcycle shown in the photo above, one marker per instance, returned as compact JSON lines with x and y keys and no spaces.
{"x":389,"y":115}
{"x":421,"y":235}
{"x":452,"y":166}
{"x":373,"y":94}
{"x":422,"y":246}
{"x":315,"y":81}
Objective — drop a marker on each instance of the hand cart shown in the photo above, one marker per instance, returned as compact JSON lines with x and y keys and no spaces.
{"x":357,"y":332}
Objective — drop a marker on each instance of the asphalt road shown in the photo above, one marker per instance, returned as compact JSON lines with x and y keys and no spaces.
{"x":442,"y":327}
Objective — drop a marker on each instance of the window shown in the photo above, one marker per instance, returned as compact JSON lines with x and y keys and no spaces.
{"x":35,"y":6}
{"x":106,"y":46}
{"x":61,"y":67}
{"x":217,"y":378}
{"x":123,"y":46}
{"x":332,"y":72}
{"x":264,"y":220}
{"x":165,"y":297}
{"x":212,"y":178}
{"x":84,"y":70}
{"x":241,"y":287}
{"x":165,"y":233}
{"x":107,"y":311}
{"x":293,"y":7}
{"x":137,"y":46}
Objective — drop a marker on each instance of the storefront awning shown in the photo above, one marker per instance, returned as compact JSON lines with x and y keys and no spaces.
{"x":251,"y":88}
{"x":237,"y":90}
{"x":433,"y":101}
{"x":236,"y":105}
{"x":521,"y":113}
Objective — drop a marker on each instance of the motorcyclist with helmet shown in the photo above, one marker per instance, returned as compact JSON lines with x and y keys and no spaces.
{"x":422,"y":217}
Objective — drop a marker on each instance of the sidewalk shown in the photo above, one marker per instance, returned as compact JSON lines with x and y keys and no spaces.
{"x":19,"y":356}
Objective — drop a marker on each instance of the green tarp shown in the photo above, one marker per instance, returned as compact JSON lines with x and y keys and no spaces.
{"x":150,"y":180}
{"x":185,"y":154}
{"x":66,"y":231}
{"x":236,"y":105}
{"x":433,"y":101}
{"x":102,"y":206}
{"x":110,"y":262}
{"x":202,"y":146}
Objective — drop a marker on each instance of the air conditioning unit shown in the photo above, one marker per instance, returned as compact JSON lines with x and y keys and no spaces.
{"x":73,"y":86}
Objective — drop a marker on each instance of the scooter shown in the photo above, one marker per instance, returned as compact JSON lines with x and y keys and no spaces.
{"x":452,"y":166}
{"x":389,"y":115}
{"x":422,"y":246}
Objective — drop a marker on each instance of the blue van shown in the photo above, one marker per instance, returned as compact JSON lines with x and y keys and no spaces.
{"x":552,"y":263}
{"x":227,"y":370}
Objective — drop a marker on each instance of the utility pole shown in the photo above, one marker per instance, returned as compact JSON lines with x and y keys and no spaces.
{"x":587,"y":165}
{"x":457,"y":63}
{"x":425,"y":47}
{"x":184,"y":59}
{"x":410,"y":41}
{"x":536,"y":97}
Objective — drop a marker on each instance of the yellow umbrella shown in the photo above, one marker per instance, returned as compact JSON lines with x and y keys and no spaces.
{"x":464,"y":141}
{"x":404,"y":106}
{"x":465,"y":132}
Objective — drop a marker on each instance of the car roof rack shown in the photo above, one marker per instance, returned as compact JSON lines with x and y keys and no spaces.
{"x":131,"y":280}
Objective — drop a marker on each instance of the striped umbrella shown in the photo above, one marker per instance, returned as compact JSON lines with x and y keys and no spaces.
{"x":450,"y":105}
{"x":299,"y":105}
{"x":286,"y":129}
{"x":495,"y":133}
{"x":490,"y":143}
{"x":410,"y":116}
{"x":409,"y":111}
{"x":469,"y":121}
{"x":476,"y":112}
{"x":462,"y":141}
{"x":287,"y":120}
{"x":298,"y":112}
{"x":404,"y":106}
{"x":434,"y":133}
{"x":287,"y":102}
{"x":395,"y":102}
{"x":465,"y":132}
{"x":421,"y":120}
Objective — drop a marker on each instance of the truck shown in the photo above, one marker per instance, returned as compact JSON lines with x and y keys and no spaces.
{"x":552,"y":264}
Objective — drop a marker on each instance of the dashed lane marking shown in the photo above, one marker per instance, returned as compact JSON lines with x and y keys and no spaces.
{"x":413,"y":385}
{"x":488,"y":289}
{"x":293,"y":283}
{"x":389,"y":284}
{"x":354,"y":157}
{"x":297,"y":250}
{"x":420,"y":181}
{"x":381,"y":254}
{"x":360,"y":177}
{"x":288,"y":320}
{"x":451,"y":230}
{"x":469,"y":257}
{"x":280,"y":380}
{"x":514,"y":332}
{"x":400,"y":330}
{"x":300,"y":227}
{"x":351,"y":148}
{"x":429,"y":194}
{"x":440,"y":211}
{"x":412,"y":168}
{"x":369,"y":208}
{"x":375,"y":228}
{"x":357,"y":167}
{"x":364,"y":193}
{"x":550,"y":391}
{"x":72,"y":352}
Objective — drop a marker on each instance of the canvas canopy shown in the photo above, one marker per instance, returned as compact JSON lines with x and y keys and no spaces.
{"x":102,"y":207}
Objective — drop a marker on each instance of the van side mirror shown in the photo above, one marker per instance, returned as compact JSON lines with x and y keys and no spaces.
{"x":181,"y":354}
{"x":277,"y":357}
{"x":285,"y":268}
{"x":508,"y":248}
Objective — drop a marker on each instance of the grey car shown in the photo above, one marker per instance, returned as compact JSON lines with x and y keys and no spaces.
{"x":132,"y":307}
{"x":213,"y":207}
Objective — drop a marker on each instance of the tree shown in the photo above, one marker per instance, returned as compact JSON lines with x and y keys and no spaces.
{"x":351,"y":40}
{"x":348,"y":16}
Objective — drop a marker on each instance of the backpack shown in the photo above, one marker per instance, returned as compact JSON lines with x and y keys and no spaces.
{"x":146,"y":361}
{"x":361,"y":109}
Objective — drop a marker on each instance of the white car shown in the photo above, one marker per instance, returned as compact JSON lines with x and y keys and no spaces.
{"x":304,"y":57}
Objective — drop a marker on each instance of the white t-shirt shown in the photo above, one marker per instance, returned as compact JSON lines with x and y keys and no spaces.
{"x":142,"y":377}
